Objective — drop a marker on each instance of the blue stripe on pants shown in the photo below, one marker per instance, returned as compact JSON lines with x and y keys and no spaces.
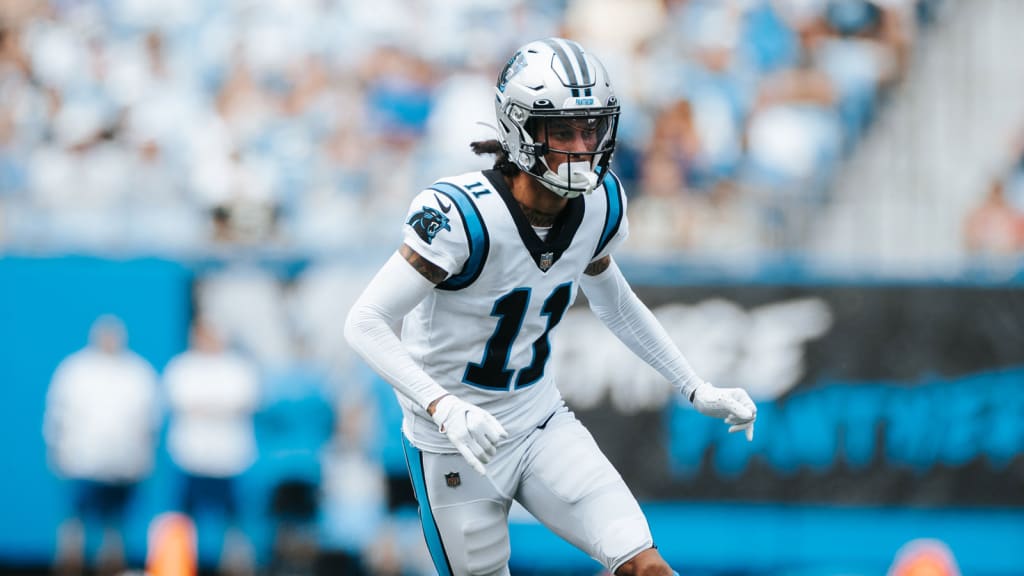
{"x":414,"y":460}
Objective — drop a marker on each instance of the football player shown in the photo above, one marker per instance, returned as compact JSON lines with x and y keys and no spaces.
{"x":490,"y":263}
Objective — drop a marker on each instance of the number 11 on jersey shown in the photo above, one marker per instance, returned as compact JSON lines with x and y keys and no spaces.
{"x":492,"y":372}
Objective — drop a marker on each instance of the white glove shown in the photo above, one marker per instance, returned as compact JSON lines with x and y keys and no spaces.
{"x":731,"y":404}
{"x":473,"y":430}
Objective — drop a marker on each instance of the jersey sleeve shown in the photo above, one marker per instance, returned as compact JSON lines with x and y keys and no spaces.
{"x":436,"y":231}
{"x":616,"y":226}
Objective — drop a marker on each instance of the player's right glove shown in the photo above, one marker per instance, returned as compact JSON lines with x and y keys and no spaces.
{"x":473,"y":430}
{"x":731,"y":404}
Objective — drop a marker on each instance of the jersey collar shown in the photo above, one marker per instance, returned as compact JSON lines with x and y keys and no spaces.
{"x":544,"y":253}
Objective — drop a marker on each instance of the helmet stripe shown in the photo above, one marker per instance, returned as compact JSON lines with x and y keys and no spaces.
{"x":584,"y":68}
{"x":563,"y":59}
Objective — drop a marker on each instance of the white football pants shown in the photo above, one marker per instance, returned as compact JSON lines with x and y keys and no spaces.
{"x":557,"y":472}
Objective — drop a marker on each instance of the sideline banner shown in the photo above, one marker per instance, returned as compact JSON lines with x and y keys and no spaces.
{"x":868,"y":395}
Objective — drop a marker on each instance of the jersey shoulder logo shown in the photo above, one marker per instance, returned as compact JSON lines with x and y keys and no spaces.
{"x":444,"y":207}
{"x":452,"y":479}
{"x":428,"y":222}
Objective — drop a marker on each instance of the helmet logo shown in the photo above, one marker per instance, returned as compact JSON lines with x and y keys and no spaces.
{"x":584,"y":101}
{"x":514,"y":66}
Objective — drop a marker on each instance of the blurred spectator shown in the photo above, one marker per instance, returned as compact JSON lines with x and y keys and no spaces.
{"x":213,"y":394}
{"x":675,"y":138}
{"x":767,"y":42}
{"x":794,"y":140}
{"x":295,"y":422}
{"x":793,"y":133}
{"x":863,"y":48}
{"x":993,"y":227}
{"x":462,"y":112}
{"x":102,"y":416}
{"x":13,"y":68}
{"x":1014,"y":176}
{"x":319,"y":295}
{"x":246,"y":303}
{"x":399,"y":93}
{"x":354,"y":497}
{"x":599,"y":23}
{"x":719,"y":86}
{"x":666,"y":163}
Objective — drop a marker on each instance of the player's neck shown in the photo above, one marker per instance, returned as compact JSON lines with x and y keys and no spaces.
{"x":540,"y":205}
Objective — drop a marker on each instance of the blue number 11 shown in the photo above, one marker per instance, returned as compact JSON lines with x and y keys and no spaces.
{"x":493,"y":371}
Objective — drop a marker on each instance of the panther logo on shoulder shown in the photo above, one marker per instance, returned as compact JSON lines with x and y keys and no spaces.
{"x":428,"y":222}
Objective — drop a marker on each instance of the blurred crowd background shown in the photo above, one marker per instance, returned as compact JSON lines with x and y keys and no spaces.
{"x":272,"y":146}
{"x":187,"y":126}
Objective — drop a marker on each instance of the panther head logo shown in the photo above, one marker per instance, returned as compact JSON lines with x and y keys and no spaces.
{"x":514,"y":66}
{"x":428,"y":222}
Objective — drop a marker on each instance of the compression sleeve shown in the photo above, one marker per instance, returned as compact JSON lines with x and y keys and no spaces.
{"x":619,"y":308}
{"x":370,"y":328}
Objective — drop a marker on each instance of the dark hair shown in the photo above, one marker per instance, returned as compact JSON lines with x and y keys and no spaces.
{"x":502,"y":163}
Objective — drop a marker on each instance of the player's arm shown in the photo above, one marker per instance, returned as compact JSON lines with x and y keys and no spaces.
{"x":433,"y":244}
{"x":619,"y":308}
{"x":598,"y":266}
{"x":615,"y":303}
{"x":402,"y":283}
{"x":370,"y":327}
{"x":432,"y":272}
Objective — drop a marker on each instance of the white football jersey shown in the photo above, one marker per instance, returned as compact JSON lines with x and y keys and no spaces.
{"x":485,"y":333}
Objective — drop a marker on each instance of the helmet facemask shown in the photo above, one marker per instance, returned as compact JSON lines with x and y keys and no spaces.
{"x":579,"y":145}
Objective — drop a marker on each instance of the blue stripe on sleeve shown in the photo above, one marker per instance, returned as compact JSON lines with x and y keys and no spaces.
{"x":479,"y":242}
{"x":613,"y":217}
{"x":414,"y":459}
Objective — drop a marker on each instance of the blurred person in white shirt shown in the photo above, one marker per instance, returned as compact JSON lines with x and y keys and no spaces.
{"x":101,"y":422}
{"x":213,"y":394}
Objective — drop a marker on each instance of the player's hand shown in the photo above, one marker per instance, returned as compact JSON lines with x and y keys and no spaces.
{"x":473,"y":430}
{"x":733,"y":405}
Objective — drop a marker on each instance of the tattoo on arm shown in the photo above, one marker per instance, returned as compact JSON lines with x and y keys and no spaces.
{"x":598,"y":266}
{"x":425,"y":267}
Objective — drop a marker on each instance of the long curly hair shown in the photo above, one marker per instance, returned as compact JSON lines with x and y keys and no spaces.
{"x":502,"y":163}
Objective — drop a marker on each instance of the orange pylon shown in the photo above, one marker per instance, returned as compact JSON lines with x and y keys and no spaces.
{"x":172,"y":546}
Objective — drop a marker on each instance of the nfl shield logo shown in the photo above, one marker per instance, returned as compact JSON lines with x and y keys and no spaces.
{"x":546,"y":260}
{"x":453,"y":479}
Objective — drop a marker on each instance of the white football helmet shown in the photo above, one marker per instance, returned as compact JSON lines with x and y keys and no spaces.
{"x":554,"y":98}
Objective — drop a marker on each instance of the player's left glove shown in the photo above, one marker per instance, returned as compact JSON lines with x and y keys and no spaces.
{"x":731,"y":404}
